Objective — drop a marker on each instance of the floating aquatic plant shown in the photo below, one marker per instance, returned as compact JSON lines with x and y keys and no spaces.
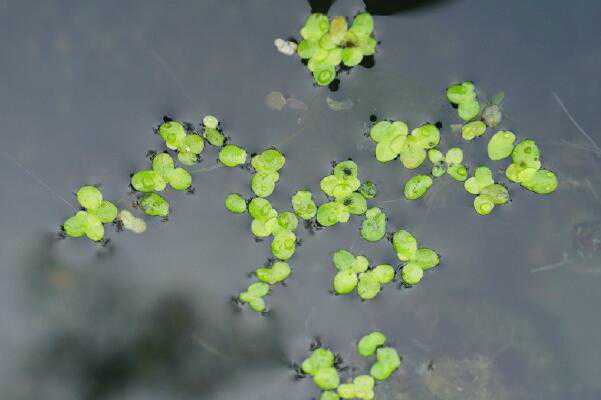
{"x":450,"y":163}
{"x":393,"y":140}
{"x":369,"y":343}
{"x":501,"y":145}
{"x":373,"y":227}
{"x":387,"y":361}
{"x":232,"y":156}
{"x":353,"y":272}
{"x":303,"y":204}
{"x":211,"y":131}
{"x":488,"y":193}
{"x":328,"y":44}
{"x":188,"y":144}
{"x":266,"y":165}
{"x":417,"y":259}
{"x":130,"y":222}
{"x":526,"y":169}
{"x":235,"y":203}
{"x":254,"y":296}
{"x":417,"y":186}
{"x":90,"y":222}
{"x":464,"y":96}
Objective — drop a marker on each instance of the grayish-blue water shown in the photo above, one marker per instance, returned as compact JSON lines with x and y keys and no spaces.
{"x":82,"y":84}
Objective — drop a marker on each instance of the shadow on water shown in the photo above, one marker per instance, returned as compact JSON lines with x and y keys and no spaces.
{"x":379,"y":7}
{"x":101,"y":337}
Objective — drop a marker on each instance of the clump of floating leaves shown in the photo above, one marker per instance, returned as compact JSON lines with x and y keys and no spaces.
{"x":187,"y":144}
{"x":353,"y":272}
{"x":488,"y":193}
{"x":162,"y":173}
{"x":90,"y":221}
{"x":526,"y":169}
{"x":416,"y":259}
{"x":394,"y":140}
{"x":343,"y":188}
{"x":266,"y":165}
{"x":449,"y":163}
{"x":254,"y":295}
{"x":464,"y":96}
{"x":328,"y":44}
{"x":323,"y":366}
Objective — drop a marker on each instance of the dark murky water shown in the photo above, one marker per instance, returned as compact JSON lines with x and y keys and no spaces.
{"x":150,"y":316}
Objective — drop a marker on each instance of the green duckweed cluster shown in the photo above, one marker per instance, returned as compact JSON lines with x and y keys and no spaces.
{"x":449,"y":163}
{"x":149,"y":181}
{"x":353,"y":272}
{"x":342,"y":187}
{"x":266,"y":165}
{"x":328,"y":44}
{"x":416,"y":259}
{"x":525,"y":169}
{"x":254,"y":296}
{"x":373,"y":227}
{"x":211,"y":131}
{"x":90,"y":221}
{"x":488,"y":193}
{"x":464,"y":96}
{"x":321,"y":366}
{"x":188,"y":145}
{"x":393,"y":140}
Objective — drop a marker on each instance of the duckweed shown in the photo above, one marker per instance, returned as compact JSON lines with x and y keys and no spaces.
{"x":369,"y":343}
{"x":473,"y":129}
{"x":278,"y":272}
{"x":541,"y":182}
{"x":488,"y":193}
{"x":368,"y":190}
{"x":91,"y":221}
{"x":154,"y":205}
{"x":173,"y":133}
{"x":388,"y":361}
{"x":373,"y":227}
{"x":253,"y":296}
{"x":270,"y":160}
{"x":417,"y":186}
{"x":319,"y":359}
{"x":188,"y":145}
{"x":404,"y":244}
{"x":263,"y":183}
{"x":355,"y":203}
{"x":89,"y":197}
{"x":235,"y":203}
{"x":412,"y":273}
{"x":331,"y":213}
{"x":179,"y":179}
{"x":416,"y":258}
{"x":457,"y":172}
{"x":384,"y":273}
{"x":464,"y":96}
{"x":501,"y":145}
{"x":283,"y":245}
{"x":214,"y":136}
{"x":131,"y":222}
{"x":369,"y":285}
{"x":232,"y":156}
{"x":326,"y":378}
{"x":329,"y":395}
{"x":148,"y":181}
{"x":481,"y":179}
{"x":211,"y":122}
{"x":326,"y":44}
{"x":303,"y":204}
{"x":361,"y":388}
{"x":483,"y":204}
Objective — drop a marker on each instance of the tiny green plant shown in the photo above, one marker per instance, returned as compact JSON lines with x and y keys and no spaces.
{"x":525,"y":169}
{"x":254,"y":296}
{"x":488,"y":193}
{"x":327,"y":45}
{"x":464,"y":96}
{"x":373,"y":227}
{"x":353,"y":272}
{"x":211,"y":131}
{"x":90,"y":221}
{"x":417,"y":259}
{"x":189,"y":145}
{"x":266,"y":166}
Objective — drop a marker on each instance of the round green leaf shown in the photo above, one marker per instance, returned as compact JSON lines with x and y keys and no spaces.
{"x":89,"y":197}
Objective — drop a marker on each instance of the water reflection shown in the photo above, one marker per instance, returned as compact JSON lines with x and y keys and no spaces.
{"x":102,"y":337}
